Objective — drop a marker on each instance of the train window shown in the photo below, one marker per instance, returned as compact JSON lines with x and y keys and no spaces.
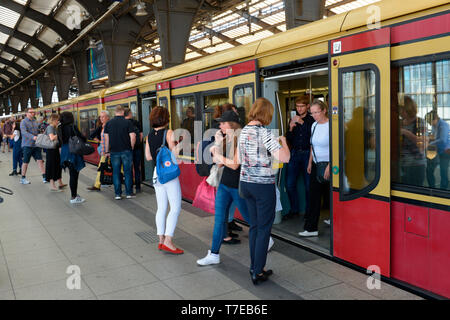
{"x":211,"y":101}
{"x":163,"y":102}
{"x":420,"y":125}
{"x":243,"y":98}
{"x":133,"y":109}
{"x":88,"y":120}
{"x":183,"y":114}
{"x":358,"y":119}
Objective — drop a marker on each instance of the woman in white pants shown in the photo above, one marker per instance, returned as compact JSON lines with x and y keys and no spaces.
{"x":169,"y":192}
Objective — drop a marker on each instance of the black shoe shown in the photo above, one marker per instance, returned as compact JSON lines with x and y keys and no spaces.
{"x":14,"y":173}
{"x":233,"y":226}
{"x":233,"y":235}
{"x":231,"y":241}
{"x":267,"y":273}
{"x":19,"y":172}
{"x":256,"y":278}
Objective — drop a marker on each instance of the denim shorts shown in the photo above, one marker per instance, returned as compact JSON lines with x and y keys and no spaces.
{"x":29,"y":152}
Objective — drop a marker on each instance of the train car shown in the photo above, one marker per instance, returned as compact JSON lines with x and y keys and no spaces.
{"x":385,"y":80}
{"x":89,"y":107}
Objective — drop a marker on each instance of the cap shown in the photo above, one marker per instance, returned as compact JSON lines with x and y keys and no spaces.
{"x":229,"y":116}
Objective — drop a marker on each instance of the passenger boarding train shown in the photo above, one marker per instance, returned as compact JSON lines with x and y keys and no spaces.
{"x":389,"y":208}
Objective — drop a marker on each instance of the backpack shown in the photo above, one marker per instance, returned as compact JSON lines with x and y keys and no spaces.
{"x":203,"y":161}
{"x":166,"y":164}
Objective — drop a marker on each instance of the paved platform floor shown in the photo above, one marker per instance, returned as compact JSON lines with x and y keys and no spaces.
{"x":42,"y":234}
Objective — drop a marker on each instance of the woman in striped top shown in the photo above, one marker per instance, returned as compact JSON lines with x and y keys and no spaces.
{"x":257,"y":145}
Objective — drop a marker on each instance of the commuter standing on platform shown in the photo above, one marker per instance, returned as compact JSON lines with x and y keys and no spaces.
{"x":53,"y":170}
{"x":16,"y":138}
{"x":319,"y":158}
{"x":7,"y":132}
{"x":298,"y":136}
{"x":99,"y":135}
{"x":137,"y":150}
{"x":73,"y":162}
{"x":169,"y":192}
{"x":29,"y":130}
{"x":257,"y":181}
{"x":119,"y":141}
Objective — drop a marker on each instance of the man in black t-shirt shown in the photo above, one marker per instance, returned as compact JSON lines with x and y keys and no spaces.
{"x":137,"y":150}
{"x":119,"y":142}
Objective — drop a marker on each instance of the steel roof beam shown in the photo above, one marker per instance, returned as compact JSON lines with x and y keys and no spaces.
{"x":221,"y":36}
{"x":14,"y":65}
{"x":31,"y":61}
{"x":258,"y":21}
{"x":48,"y":21}
{"x":46,"y":50}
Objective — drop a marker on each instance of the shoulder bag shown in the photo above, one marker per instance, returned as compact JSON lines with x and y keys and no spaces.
{"x":321,"y":166}
{"x":44,"y":141}
{"x":79,"y":147}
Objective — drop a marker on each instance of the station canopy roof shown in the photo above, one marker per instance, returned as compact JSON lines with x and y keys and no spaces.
{"x":32,"y":31}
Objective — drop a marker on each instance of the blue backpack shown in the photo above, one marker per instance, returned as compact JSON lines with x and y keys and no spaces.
{"x":166,"y":164}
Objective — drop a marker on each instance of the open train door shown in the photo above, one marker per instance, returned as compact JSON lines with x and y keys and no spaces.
{"x":360,"y":135}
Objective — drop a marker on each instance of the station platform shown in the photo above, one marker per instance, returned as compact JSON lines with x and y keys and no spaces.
{"x":42,"y":234}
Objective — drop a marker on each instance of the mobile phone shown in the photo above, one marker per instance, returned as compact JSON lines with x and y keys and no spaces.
{"x":293,"y":114}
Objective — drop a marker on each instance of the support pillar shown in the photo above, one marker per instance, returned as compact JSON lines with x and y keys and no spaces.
{"x":174,"y":20}
{"x":32,"y":93}
{"x":5,"y":101}
{"x":80,"y":62}
{"x":24,"y":95}
{"x":118,"y":39}
{"x":47,"y":85}
{"x":15,"y":99}
{"x":63,"y":76}
{"x":300,"y":12}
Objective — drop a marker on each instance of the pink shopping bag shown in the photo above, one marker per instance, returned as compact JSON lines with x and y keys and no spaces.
{"x":205,"y":197}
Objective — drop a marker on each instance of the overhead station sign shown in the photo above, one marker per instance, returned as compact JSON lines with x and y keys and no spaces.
{"x":97,"y":67}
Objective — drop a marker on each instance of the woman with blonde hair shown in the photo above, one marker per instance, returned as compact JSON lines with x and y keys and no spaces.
{"x":257,"y":145}
{"x":318,"y":167}
{"x":53,"y":170}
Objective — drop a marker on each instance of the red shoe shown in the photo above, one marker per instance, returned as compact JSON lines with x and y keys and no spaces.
{"x":167,"y":249}
{"x":160,"y":246}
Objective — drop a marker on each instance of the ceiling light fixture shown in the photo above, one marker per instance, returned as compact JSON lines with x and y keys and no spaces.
{"x":92,"y":44}
{"x":141,"y":10}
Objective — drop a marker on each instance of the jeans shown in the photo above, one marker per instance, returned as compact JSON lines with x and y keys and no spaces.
{"x":225,"y":196}
{"x":443,"y":161}
{"x":137,"y":155}
{"x":261,"y":201}
{"x":298,"y":163}
{"x":124,"y":158}
{"x":17,"y":154}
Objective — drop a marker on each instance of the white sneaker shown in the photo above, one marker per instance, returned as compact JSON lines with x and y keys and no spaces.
{"x":308,"y":234}
{"x":271,"y":242}
{"x":77,"y":200}
{"x":328,"y":222}
{"x":44,"y":181}
{"x":211,"y":258}
{"x":24,"y":181}
{"x":118,"y":197}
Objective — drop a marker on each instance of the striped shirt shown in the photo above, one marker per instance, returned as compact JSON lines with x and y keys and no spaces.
{"x":255,"y":144}
{"x":29,"y":129}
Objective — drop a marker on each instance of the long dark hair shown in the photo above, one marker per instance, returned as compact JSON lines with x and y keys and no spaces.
{"x":66,"y":118}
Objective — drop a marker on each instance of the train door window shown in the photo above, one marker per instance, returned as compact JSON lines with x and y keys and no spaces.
{"x":359,"y":160}
{"x":421,"y":120}
{"x":163,"y":102}
{"x":210,"y":103}
{"x":183,"y":115}
{"x":243,"y":98}
{"x":88,"y":120}
{"x":133,"y":107}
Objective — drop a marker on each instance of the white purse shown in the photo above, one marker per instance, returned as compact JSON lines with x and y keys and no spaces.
{"x":214,"y":176}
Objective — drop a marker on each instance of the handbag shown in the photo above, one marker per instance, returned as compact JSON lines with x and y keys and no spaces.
{"x":320,"y":166}
{"x":106,"y":172}
{"x":205,"y":197}
{"x":44,"y":141}
{"x":215,"y":176}
{"x":78,"y":146}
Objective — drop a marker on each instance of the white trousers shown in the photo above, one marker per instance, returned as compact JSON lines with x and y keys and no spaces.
{"x":168,"y":193}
